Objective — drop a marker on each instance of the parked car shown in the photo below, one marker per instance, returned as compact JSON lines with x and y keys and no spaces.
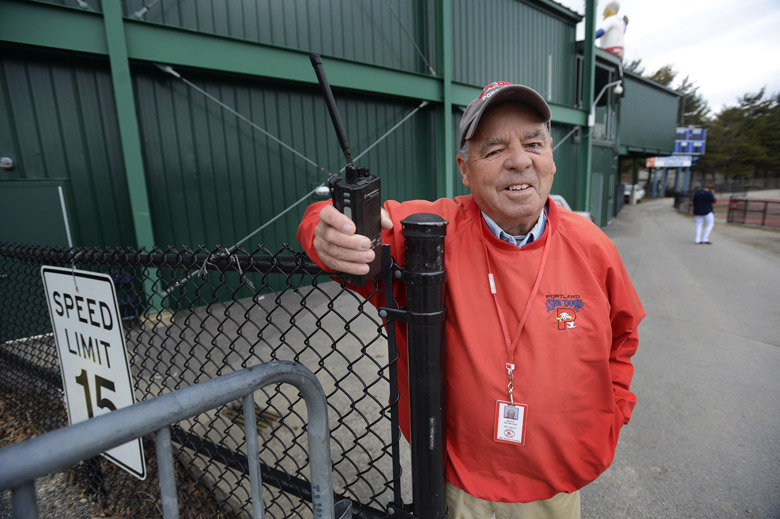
{"x":639,"y":193}
{"x":558,"y":199}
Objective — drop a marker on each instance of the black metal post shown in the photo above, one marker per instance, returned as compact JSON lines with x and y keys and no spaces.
{"x":387,"y":276}
{"x":730,"y":214}
{"x":425,"y":276}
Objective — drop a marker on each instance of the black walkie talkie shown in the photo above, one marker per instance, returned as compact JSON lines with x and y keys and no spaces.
{"x":358,"y":195}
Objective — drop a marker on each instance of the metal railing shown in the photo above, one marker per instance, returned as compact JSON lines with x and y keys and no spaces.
{"x":760,"y":212}
{"x":239,"y":309}
{"x":752,"y":211}
{"x":25,"y":462}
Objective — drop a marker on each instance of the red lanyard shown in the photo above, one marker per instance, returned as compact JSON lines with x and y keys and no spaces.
{"x":511,"y":345}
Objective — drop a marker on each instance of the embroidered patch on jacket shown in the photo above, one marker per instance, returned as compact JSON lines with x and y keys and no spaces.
{"x":566,"y":308}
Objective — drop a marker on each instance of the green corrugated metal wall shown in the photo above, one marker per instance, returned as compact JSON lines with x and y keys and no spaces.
{"x":648,"y":115}
{"x":511,"y":41}
{"x":58,"y":123}
{"x":604,"y":171}
{"x":566,"y":177}
{"x":214,"y":179}
{"x":365,"y":31}
{"x":459,"y":188}
{"x":210,"y":177}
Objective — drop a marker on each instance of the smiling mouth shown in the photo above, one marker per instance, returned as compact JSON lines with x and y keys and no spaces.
{"x":518,"y":187}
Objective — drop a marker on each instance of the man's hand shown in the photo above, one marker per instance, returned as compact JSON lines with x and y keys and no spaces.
{"x":337,"y":244}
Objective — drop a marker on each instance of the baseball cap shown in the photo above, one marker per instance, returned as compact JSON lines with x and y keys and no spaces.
{"x":496,"y":93}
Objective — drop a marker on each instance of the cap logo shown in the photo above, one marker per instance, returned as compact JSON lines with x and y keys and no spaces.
{"x":492,"y":88}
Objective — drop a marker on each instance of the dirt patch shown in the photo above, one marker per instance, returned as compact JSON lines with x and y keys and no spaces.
{"x":761,"y":238}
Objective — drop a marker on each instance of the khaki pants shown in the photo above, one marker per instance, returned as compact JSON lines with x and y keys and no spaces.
{"x":465,"y":506}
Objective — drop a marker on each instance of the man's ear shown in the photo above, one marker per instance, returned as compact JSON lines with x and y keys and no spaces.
{"x":463,"y":167}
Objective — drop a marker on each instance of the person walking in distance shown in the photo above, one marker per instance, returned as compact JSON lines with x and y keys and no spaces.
{"x":702,"y":212}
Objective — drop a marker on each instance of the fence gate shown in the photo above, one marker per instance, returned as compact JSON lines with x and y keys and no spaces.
{"x":190,"y":315}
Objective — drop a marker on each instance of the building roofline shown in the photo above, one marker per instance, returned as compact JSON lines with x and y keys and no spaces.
{"x":555,"y":8}
{"x":607,"y":58}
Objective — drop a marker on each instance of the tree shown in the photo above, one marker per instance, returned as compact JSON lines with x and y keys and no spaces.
{"x":636,"y":67}
{"x":743,"y":140}
{"x":664,"y":75}
{"x":693,"y":110}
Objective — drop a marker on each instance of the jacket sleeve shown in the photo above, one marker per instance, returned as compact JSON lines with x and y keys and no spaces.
{"x":393,"y":237}
{"x":625,"y":314}
{"x":305,"y":234}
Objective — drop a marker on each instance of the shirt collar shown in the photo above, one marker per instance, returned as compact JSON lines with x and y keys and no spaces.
{"x":518,"y":241}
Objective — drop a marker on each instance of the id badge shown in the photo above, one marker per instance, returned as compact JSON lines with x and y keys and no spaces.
{"x":510,"y":423}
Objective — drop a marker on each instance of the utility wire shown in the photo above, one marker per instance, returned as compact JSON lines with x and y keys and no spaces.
{"x":411,"y":38}
{"x":170,"y":70}
{"x":574,"y":130}
{"x":391,"y":130}
{"x":175,"y":74}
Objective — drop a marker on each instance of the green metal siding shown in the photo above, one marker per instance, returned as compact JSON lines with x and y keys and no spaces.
{"x":605,"y":172}
{"x":359,"y":30}
{"x":458,"y":187}
{"x":210,"y":177}
{"x":648,"y":116}
{"x":214,"y":179}
{"x":510,"y":40}
{"x":58,"y":122}
{"x":565,"y":155}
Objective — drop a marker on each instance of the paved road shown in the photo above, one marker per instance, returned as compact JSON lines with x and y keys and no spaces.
{"x":704,"y":440}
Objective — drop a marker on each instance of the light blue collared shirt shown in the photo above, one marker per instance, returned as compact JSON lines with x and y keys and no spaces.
{"x":518,"y":241}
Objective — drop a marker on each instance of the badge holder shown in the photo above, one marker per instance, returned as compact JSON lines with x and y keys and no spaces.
{"x":511,"y":418}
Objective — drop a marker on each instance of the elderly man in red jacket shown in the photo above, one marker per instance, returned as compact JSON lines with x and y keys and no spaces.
{"x":541,"y":325}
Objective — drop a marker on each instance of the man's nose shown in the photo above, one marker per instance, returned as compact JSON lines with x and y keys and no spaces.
{"x":518,"y":158}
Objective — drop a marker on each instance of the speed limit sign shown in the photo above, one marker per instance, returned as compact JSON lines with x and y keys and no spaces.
{"x":91,"y":347}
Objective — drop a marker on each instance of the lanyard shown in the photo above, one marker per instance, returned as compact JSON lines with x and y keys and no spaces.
{"x":511,"y":345}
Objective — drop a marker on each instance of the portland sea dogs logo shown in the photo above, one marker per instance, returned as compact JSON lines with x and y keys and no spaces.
{"x":567,"y":307}
{"x":492,"y":89}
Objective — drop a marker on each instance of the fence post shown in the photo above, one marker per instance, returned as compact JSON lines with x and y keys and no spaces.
{"x":425,"y":277}
{"x":763,"y":217}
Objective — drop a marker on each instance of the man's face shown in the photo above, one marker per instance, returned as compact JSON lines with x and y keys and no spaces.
{"x":510,"y":168}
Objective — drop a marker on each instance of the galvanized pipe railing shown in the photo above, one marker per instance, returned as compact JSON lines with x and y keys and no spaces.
{"x":24,"y":462}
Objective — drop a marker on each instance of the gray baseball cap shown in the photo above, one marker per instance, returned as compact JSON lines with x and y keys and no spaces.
{"x":496,"y":93}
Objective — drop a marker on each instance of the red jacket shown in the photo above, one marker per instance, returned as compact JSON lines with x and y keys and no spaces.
{"x":574,"y":377}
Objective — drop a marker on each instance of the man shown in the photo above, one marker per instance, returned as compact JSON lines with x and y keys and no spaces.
{"x":703,"y":213}
{"x":542,"y":317}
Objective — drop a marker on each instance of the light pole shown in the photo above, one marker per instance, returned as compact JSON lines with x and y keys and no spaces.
{"x":592,"y":114}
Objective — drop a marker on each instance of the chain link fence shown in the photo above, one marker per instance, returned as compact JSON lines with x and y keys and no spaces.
{"x":190,"y":315}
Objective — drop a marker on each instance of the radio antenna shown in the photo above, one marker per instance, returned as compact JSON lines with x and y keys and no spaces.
{"x":316,"y":61}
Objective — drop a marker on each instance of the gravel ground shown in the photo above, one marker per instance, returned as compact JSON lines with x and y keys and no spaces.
{"x":57,"y":498}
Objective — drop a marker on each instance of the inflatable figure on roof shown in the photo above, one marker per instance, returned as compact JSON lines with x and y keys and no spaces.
{"x":611,"y":34}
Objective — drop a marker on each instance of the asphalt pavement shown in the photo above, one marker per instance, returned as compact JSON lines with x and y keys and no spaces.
{"x":704,"y":439}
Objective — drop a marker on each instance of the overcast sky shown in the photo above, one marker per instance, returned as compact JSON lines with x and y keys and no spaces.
{"x":727,"y":47}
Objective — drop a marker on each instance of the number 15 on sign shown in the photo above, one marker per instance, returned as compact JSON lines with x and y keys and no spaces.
{"x":91,"y":347}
